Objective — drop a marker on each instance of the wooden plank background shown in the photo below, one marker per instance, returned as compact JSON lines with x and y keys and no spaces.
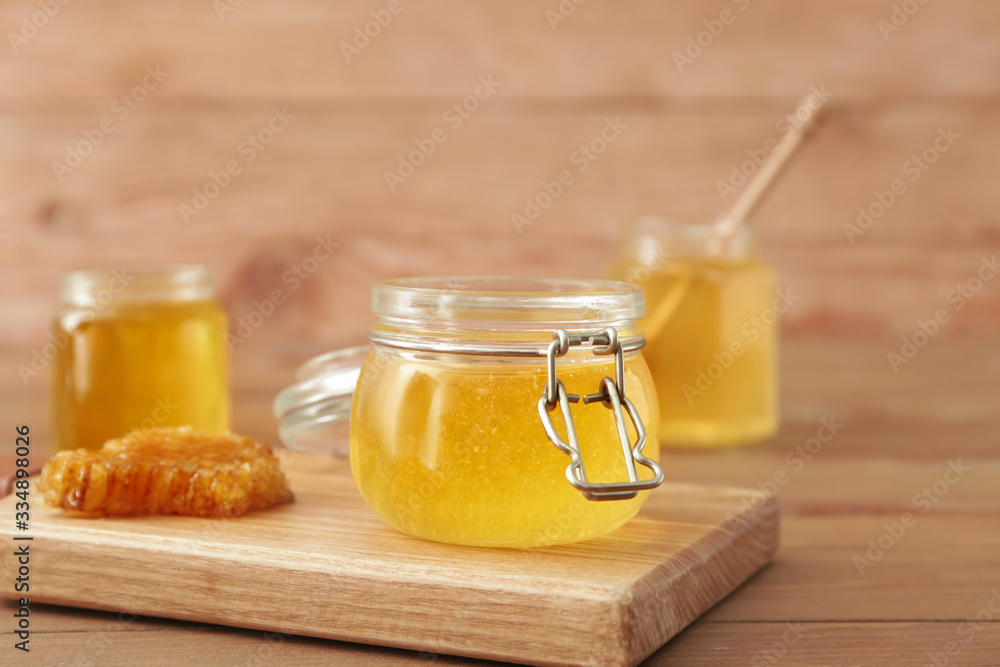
{"x":325,"y":173}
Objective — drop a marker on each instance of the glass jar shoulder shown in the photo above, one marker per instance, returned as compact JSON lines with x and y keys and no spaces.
{"x":383,"y":364}
{"x":749,"y":266}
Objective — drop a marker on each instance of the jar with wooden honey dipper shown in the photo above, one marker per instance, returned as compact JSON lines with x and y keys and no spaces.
{"x":711,"y":314}
{"x":711,"y":329}
{"x":136,"y":349}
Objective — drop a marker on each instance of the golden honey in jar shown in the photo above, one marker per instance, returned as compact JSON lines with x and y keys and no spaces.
{"x":137,"y":349}
{"x":458,"y":431}
{"x":711,"y":325}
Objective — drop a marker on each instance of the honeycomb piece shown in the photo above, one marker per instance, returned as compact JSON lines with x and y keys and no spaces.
{"x":167,"y":471}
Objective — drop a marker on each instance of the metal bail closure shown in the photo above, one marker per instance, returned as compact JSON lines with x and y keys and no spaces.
{"x":612,"y":396}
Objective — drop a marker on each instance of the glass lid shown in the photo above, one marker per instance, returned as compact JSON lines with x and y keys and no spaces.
{"x":313,"y":413}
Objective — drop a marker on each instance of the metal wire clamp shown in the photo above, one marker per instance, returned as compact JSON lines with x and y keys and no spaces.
{"x":612,"y":396}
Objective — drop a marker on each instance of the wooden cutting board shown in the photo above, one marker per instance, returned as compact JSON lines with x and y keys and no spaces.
{"x":326,"y":566}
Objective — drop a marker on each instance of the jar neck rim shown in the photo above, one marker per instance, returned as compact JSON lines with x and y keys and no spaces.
{"x":476,"y":302}
{"x":656,"y":240}
{"x":100,"y":287}
{"x":515,"y":316}
{"x":493,"y":348}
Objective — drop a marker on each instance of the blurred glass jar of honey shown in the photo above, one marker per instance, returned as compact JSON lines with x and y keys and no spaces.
{"x":711,"y":327}
{"x":136,"y":349}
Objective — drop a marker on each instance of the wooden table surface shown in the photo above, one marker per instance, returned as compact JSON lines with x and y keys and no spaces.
{"x":830,"y":597}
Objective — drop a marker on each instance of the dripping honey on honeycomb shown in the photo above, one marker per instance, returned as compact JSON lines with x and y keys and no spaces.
{"x":167,"y":471}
